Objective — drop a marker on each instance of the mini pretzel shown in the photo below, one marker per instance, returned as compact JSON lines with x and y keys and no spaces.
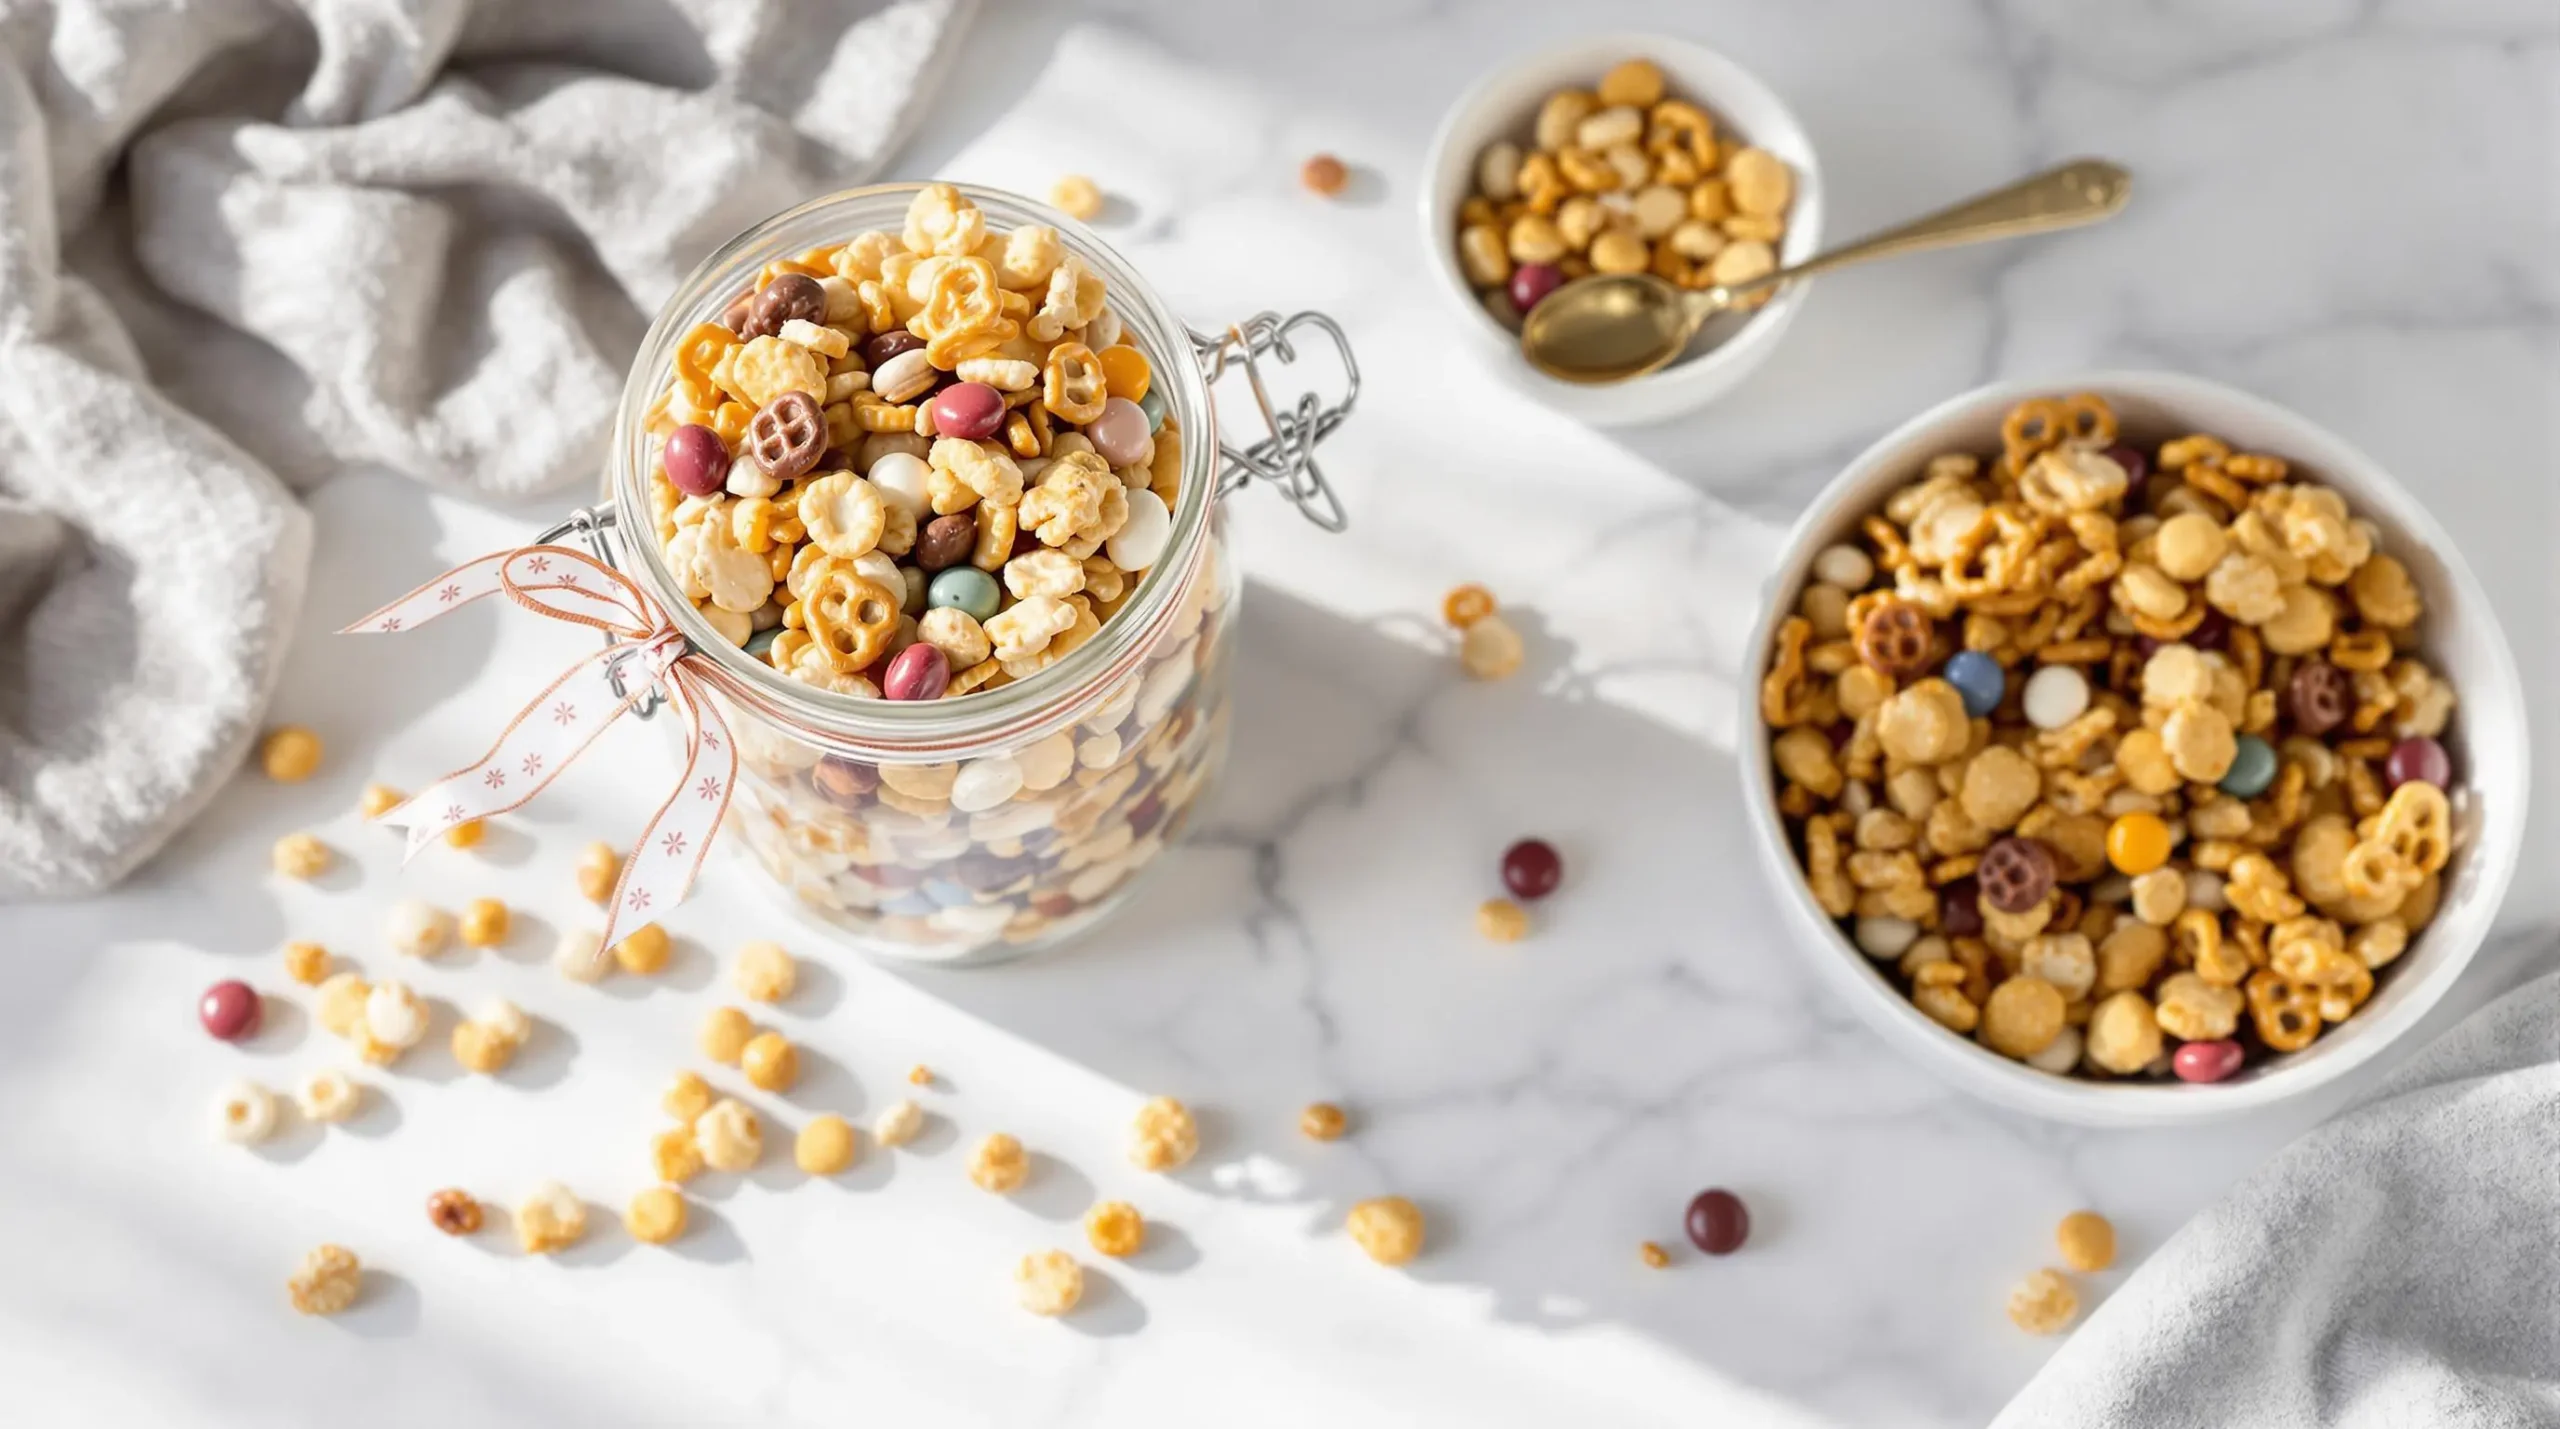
{"x":2016,"y":874}
{"x":787,"y":436}
{"x":2033,"y":426}
{"x":2287,"y":1013}
{"x":2088,"y":419}
{"x":1782,"y":690}
{"x":700,"y":350}
{"x":786,"y":296}
{"x":850,"y":618}
{"x":1073,"y":385}
{"x":2417,"y":825}
{"x":2178,"y":629}
{"x":1897,"y":639}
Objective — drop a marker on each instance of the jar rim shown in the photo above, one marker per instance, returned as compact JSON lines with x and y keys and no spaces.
{"x":1022,"y":709}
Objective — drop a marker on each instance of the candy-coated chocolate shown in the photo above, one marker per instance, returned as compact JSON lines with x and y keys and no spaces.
{"x":1717,"y":1222}
{"x":1154,"y":405}
{"x":229,"y":1010}
{"x":971,"y":411}
{"x":1979,"y":681}
{"x":2419,"y":758}
{"x":2206,"y":1061}
{"x":2137,"y":844}
{"x":2055,"y":696}
{"x":964,"y":588}
{"x":1531,"y":869}
{"x":1531,"y":282}
{"x":1120,"y":435}
{"x":919,"y":672}
{"x":696,"y":460}
{"x":2253,"y":768}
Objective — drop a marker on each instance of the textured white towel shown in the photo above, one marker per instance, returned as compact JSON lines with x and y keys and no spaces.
{"x":418,"y":234}
{"x":2397,"y":1268}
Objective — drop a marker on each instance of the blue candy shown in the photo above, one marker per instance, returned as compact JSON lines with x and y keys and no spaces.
{"x":762,"y":641}
{"x":966,"y":589}
{"x":1153,"y":404}
{"x":2253,"y":768}
{"x":1979,"y":679}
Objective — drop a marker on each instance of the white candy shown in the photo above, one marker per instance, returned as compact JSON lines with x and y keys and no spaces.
{"x":581,"y":956}
{"x":748,"y":479}
{"x":244,"y":1113}
{"x":1142,"y":539}
{"x":504,"y":1020}
{"x":417,"y":929}
{"x":898,"y":1123}
{"x":901,"y":477}
{"x":2060,"y":1055}
{"x":1100,"y":752}
{"x":985,"y":783}
{"x":2055,"y":696}
{"x":1844,"y":566}
{"x":2204,"y":890}
{"x":1886,"y":938}
{"x":394,"y":1015}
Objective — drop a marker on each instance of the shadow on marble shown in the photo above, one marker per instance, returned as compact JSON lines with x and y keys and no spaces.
{"x":816,"y":991}
{"x":708,"y":1237}
{"x":1169,"y":1250}
{"x":1107,"y":1309}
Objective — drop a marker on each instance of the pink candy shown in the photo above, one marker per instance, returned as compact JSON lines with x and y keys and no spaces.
{"x":1120,"y":435}
{"x":697,"y":461}
{"x":2206,"y":1061}
{"x":971,"y":411}
{"x":919,"y":672}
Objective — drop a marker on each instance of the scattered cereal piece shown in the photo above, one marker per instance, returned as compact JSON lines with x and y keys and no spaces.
{"x":1465,"y":605}
{"x":306,"y":963}
{"x":482,"y":1048}
{"x":1049,"y":1282}
{"x":725,"y":1034}
{"x":230,"y":1011}
{"x":581,"y":956}
{"x":485,"y":922}
{"x":379,"y":799}
{"x":340,"y":1003}
{"x":999,"y":1164}
{"x":825,"y":1146}
{"x":770,"y":1061}
{"x":300,"y":856}
{"x":687,"y":1097}
{"x":1324,"y":175}
{"x":656,"y":1216}
{"x":2043,"y":1303}
{"x":1389,"y":1228}
{"x":1321,"y":1121}
{"x":1502,"y":921}
{"x":919,"y":1075}
{"x":551,"y":1218}
{"x":1164,"y":1136}
{"x":244,"y":1114}
{"x":676,"y":1155}
{"x":416,"y":929}
{"x":897,"y":1123}
{"x":764,"y":972}
{"x":731,"y":1136}
{"x":1654,"y":1255}
{"x":1115,"y":1228}
{"x":328,"y":1096}
{"x":395,"y":1017}
{"x":643,"y":951}
{"x":328,"y":1282}
{"x":467,"y":834}
{"x":454,"y":1211}
{"x":2087,"y":1239}
{"x":1491,"y":649}
{"x":1077,"y":197}
{"x":290,"y":754}
{"x":599,"y":868}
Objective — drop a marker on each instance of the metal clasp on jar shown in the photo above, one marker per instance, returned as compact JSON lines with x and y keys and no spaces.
{"x":1286,"y":456}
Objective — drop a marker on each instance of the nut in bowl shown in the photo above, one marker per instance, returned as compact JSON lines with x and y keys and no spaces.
{"x":2130,"y":750}
{"x":1622,"y":153}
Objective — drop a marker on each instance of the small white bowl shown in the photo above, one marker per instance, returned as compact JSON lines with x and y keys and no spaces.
{"x":2460,"y":639}
{"x":1504,"y":104}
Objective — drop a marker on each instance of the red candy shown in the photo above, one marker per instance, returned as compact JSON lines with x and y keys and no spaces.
{"x":1718,"y":1223}
{"x":2419,"y":758}
{"x":229,"y":1010}
{"x":697,"y":461}
{"x":1531,"y":869}
{"x":1531,"y":282}
{"x":2206,"y":1061}
{"x":920,"y":672}
{"x":971,"y":411}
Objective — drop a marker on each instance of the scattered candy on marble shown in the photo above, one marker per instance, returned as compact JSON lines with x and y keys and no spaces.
{"x":230,"y":1011}
{"x":1531,"y":869}
{"x":1717,"y":1221}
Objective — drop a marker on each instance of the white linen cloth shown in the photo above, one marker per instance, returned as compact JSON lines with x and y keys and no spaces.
{"x":418,"y":234}
{"x":2397,"y":1267}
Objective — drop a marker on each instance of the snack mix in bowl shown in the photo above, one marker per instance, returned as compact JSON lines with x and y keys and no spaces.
{"x":2123,"y":761}
{"x":1620,"y":180}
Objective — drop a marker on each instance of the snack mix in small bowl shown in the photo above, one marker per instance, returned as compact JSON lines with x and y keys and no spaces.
{"x":2123,"y":761}
{"x":1620,"y":179}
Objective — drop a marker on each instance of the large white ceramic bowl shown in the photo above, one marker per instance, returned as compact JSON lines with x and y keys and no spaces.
{"x":1504,"y":104}
{"x":2460,"y":638}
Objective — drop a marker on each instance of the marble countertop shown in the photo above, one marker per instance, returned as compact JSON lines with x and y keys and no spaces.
{"x":2347,"y":208}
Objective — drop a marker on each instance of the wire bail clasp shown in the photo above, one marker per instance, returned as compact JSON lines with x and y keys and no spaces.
{"x":1286,"y":456}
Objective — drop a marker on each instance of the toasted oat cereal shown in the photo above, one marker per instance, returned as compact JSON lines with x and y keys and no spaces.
{"x":1048,"y":1282}
{"x":290,"y":754}
{"x":379,"y":799}
{"x":2087,"y":1239}
{"x":2120,"y":722}
{"x":485,"y":922}
{"x":550,"y":1218}
{"x":2044,"y":1303}
{"x":328,"y":1281}
{"x":1389,"y":1228}
{"x":655,"y":1216}
{"x":1321,"y":1121}
{"x":764,"y":971}
{"x":306,"y":963}
{"x":1114,"y":1228}
{"x":999,"y":1164}
{"x":897,"y":1123}
{"x":825,"y":1146}
{"x":1164,"y":1136}
{"x":300,"y":856}
{"x":1500,"y":920}
{"x":731,"y":1136}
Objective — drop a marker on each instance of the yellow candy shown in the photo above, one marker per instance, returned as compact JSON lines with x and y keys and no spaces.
{"x":2137,"y":844}
{"x":1125,"y":372}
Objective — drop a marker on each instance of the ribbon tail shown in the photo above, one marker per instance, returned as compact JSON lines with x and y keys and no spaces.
{"x":449,"y":592}
{"x":548,"y":733}
{"x":662,"y":866}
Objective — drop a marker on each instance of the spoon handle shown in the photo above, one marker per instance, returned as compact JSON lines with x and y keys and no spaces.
{"x":2082,"y":191}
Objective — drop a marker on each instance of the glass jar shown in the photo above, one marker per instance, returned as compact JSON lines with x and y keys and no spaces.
{"x":991,"y":825}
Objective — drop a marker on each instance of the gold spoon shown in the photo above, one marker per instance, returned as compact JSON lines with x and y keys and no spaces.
{"x":1609,"y":327}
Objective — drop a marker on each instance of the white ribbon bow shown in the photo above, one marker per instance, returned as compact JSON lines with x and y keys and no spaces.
{"x":567,"y":716}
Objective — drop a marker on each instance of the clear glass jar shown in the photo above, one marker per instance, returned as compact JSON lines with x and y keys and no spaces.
{"x":988,"y":826}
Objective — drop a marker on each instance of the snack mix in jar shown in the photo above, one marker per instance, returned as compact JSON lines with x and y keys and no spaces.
{"x":2127,"y":762}
{"x":918,"y":467}
{"x":1622,"y":178}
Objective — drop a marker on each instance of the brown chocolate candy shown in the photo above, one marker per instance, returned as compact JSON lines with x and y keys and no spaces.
{"x":1898,"y":638}
{"x":788,"y":296}
{"x":946,"y":540}
{"x":2320,"y":697}
{"x":843,"y":782}
{"x":2015,"y":874}
{"x":787,"y":434}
